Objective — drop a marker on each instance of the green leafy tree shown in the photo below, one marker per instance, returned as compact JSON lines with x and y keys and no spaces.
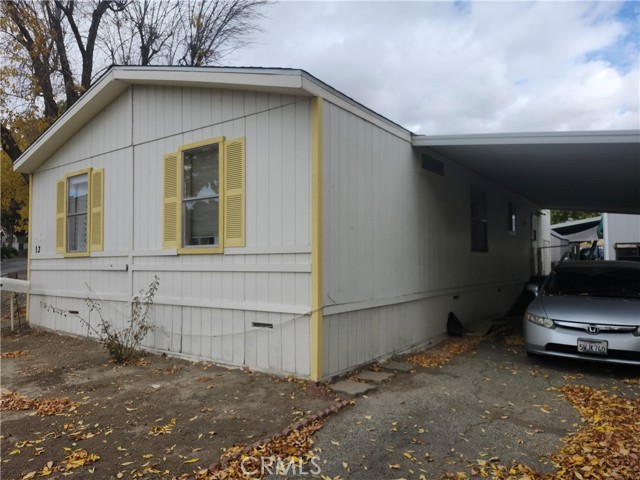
{"x":561,"y":216}
{"x":14,"y":199}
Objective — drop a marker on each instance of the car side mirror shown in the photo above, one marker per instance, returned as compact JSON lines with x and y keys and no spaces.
{"x":533,"y":288}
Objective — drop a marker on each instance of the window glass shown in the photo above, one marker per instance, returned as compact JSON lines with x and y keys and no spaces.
{"x":77,"y":191}
{"x":201,"y":222}
{"x":479,"y":241}
{"x":200,"y":196}
{"x":603,"y":281}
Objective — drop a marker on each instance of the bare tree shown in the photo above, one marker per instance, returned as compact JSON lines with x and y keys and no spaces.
{"x":42,"y":38}
{"x":91,"y":16}
{"x":191,"y":32}
{"x":142,"y":32}
{"x":37,"y":68}
{"x":26,"y":30}
{"x":55,"y":20}
{"x":212,"y":30}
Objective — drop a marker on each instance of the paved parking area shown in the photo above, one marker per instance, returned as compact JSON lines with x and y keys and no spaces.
{"x":493,"y":404}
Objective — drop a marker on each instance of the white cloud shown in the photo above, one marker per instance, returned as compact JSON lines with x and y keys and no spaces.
{"x":440,"y":67}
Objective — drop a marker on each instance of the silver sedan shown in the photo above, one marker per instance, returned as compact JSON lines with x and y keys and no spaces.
{"x":588,"y":310}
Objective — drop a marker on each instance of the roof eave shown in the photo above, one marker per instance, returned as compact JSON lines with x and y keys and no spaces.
{"x":118,"y":79}
{"x":285,"y":81}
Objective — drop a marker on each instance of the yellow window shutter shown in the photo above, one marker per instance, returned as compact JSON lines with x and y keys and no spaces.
{"x":171,"y":202}
{"x":61,"y":193}
{"x":234,"y":193}
{"x":97,"y":211}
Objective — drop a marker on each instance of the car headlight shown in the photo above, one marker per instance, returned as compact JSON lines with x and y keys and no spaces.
{"x":538,"y":320}
{"x":636,"y":332}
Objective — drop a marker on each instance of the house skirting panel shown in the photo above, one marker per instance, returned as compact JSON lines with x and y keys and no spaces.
{"x":264,"y":341}
{"x":357,"y":337}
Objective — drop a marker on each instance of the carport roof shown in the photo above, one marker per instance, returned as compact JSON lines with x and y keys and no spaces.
{"x":590,"y":171}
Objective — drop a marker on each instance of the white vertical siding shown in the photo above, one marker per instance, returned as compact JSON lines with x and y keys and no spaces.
{"x":277,"y":165}
{"x":108,"y":131}
{"x":51,"y":272}
{"x":397,"y":244}
{"x":357,"y":337}
{"x":392,"y":229}
{"x":206,"y":305}
{"x":620,"y":228}
{"x":118,"y":200}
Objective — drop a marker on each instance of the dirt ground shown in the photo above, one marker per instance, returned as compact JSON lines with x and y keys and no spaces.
{"x":162,"y":416}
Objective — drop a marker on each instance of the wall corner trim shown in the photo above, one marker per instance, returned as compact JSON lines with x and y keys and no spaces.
{"x":29,"y":243}
{"x":316,"y":330}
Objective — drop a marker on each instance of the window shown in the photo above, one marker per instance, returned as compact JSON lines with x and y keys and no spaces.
{"x":627,"y":251}
{"x":79,"y":213}
{"x":201,"y":196}
{"x":204,"y":197}
{"x":479,"y":241}
{"x":77,"y":202}
{"x":511,"y":220}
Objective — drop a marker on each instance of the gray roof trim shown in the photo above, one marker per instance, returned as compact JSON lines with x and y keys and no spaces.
{"x":529,"y":138}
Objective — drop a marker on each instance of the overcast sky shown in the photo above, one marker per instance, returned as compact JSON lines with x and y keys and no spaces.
{"x":466,"y":67}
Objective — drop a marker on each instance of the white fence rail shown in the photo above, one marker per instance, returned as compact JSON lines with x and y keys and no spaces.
{"x":16,"y":286}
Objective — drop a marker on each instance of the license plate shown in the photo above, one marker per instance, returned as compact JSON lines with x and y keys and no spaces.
{"x":598,"y":347}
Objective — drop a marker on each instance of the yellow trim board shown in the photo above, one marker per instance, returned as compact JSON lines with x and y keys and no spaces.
{"x":316,"y":240}
{"x":201,"y":143}
{"x":29,"y":242}
{"x":200,"y":250}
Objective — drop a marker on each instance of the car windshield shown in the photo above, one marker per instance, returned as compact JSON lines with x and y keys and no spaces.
{"x":611,"y":283}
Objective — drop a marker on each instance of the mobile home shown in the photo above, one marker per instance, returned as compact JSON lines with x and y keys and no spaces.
{"x":293,"y":229}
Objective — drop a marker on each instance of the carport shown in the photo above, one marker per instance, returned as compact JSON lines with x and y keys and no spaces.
{"x":587,"y":171}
